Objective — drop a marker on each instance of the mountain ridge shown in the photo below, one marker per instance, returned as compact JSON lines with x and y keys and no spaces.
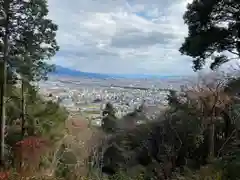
{"x":71,"y":72}
{"x":60,"y":70}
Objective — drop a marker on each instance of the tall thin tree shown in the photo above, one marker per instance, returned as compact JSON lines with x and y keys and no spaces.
{"x":23,"y":104}
{"x":3,"y":70}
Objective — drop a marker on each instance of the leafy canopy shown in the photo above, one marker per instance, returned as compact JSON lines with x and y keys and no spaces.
{"x":213,"y":32}
{"x":32,"y":38}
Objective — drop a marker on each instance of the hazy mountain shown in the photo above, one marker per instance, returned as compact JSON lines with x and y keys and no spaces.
{"x":63,"y":71}
{"x":75,"y":73}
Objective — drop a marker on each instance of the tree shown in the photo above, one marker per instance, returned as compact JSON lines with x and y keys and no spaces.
{"x":172,"y":98}
{"x":28,"y":39}
{"x":109,"y":110}
{"x":211,"y":103}
{"x":213,"y":32}
{"x":3,"y":68}
{"x":109,"y":118}
{"x":32,"y":39}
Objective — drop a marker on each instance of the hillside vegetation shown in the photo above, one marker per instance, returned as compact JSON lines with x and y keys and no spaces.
{"x":196,"y":137}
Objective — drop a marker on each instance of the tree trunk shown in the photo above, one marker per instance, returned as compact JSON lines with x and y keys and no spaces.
{"x":3,"y":83}
{"x":211,"y":140}
{"x":23,"y":108}
{"x":2,"y":112}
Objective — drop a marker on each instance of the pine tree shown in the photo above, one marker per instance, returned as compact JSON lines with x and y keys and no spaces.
{"x":213,"y":32}
{"x":109,"y":119}
{"x":28,"y":39}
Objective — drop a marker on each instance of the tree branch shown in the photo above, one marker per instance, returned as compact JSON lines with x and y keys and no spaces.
{"x":234,"y":52}
{"x":226,"y":142}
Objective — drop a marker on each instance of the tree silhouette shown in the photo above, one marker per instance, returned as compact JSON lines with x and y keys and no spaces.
{"x":109,"y":119}
{"x":213,"y":32}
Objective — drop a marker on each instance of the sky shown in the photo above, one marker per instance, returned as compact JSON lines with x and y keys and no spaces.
{"x":121,"y":36}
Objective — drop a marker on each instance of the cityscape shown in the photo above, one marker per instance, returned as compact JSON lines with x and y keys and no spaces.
{"x":88,"y":96}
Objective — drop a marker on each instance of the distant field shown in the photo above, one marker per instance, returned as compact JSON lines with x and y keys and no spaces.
{"x":92,"y":112}
{"x":162,"y":83}
{"x":90,"y":106}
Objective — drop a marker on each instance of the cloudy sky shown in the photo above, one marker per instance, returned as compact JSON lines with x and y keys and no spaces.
{"x":121,"y":36}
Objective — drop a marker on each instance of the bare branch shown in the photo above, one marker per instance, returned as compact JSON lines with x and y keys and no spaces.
{"x":222,"y":147}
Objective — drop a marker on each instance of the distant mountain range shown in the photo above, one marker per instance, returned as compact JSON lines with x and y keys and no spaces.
{"x":75,"y":73}
{"x":61,"y":71}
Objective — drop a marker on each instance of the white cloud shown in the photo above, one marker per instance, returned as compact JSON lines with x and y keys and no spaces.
{"x":120,"y":36}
